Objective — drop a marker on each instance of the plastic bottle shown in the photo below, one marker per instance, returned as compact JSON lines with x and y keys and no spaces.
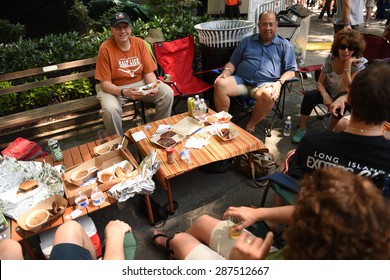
{"x":97,"y":196}
{"x":81,"y":200}
{"x":196,"y":106}
{"x":287,"y":127}
{"x":202,"y":110}
{"x":186,"y":156}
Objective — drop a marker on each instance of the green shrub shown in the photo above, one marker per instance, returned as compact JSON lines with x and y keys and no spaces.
{"x":11,"y":32}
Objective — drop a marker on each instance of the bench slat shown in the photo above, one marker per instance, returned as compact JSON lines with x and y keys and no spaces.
{"x":49,"y":82}
{"x":40,"y":70}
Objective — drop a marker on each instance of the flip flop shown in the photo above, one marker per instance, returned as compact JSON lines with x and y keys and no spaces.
{"x":167,"y":250}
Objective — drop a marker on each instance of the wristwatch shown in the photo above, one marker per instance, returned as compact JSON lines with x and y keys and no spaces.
{"x":123,"y":95}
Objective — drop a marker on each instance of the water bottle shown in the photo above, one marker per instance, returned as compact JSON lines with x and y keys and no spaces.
{"x":287,"y":127}
{"x":81,"y":200}
{"x":97,"y":196}
{"x":202,"y":110}
{"x":186,"y":156}
{"x":196,"y":106}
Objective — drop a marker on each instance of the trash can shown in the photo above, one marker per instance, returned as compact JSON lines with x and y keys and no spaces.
{"x":218,"y":39}
{"x":294,"y":25}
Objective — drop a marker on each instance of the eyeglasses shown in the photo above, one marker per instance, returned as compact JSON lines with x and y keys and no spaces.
{"x":119,"y":28}
{"x":343,"y":47}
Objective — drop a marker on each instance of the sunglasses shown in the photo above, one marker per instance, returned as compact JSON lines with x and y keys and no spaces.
{"x":343,"y":47}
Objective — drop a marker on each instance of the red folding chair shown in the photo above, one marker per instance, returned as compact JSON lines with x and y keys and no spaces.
{"x":376,"y":47}
{"x":176,"y":59}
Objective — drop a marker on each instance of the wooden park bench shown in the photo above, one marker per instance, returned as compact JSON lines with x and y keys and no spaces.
{"x":70,"y":115}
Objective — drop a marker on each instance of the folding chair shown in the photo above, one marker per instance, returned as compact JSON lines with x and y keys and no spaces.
{"x":303,"y":73}
{"x":176,"y":59}
{"x":246,"y":104}
{"x":376,"y":47}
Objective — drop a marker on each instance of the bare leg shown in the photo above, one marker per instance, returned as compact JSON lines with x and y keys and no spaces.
{"x":202,"y":228}
{"x":223,"y":89}
{"x":303,"y":121}
{"x":73,"y":232}
{"x":368,"y":17}
{"x":264,"y":104}
{"x":184,"y":242}
{"x":10,"y":250}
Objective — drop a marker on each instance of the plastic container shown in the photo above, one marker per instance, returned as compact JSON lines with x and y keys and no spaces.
{"x":81,"y":200}
{"x":202,"y":110}
{"x":97,"y":196}
{"x":185,"y":155}
{"x":287,"y":127}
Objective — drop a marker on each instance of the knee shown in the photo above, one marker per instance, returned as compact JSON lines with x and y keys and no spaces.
{"x":202,"y":220}
{"x":70,"y":227}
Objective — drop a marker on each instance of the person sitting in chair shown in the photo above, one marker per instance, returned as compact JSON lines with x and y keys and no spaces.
{"x":337,"y":73}
{"x":123,"y":65}
{"x":259,"y":66}
{"x":361,"y":147}
{"x":337,"y":216}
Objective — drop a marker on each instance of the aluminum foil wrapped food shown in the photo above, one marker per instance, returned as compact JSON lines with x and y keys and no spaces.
{"x":13,"y":173}
{"x":140,"y":184}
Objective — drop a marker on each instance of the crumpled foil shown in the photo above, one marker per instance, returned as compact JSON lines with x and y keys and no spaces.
{"x":14,"y":172}
{"x":140,"y":184}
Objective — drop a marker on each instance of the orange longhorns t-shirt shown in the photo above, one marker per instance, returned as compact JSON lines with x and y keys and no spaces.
{"x":231,"y":2}
{"x":123,"y":67}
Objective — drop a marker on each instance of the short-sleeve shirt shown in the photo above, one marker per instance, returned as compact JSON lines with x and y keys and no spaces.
{"x":123,"y":67}
{"x":364,"y":155}
{"x":333,"y":80}
{"x":257,"y":63}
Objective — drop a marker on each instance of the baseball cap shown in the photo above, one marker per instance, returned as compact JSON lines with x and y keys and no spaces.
{"x":118,"y":18}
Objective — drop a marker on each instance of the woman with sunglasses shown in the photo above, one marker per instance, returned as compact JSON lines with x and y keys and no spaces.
{"x":340,"y":67}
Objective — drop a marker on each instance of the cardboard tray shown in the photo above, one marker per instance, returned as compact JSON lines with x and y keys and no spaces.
{"x":112,"y":143}
{"x":46,"y":204}
{"x":101,"y":162}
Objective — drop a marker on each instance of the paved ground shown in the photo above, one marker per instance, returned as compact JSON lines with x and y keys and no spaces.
{"x":198,"y":192}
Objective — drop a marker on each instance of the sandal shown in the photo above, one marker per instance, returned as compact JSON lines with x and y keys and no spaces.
{"x":250,"y":132}
{"x":167,"y":249}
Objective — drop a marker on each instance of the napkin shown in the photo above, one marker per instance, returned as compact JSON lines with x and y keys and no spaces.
{"x":162,"y":128}
{"x":137,"y":136}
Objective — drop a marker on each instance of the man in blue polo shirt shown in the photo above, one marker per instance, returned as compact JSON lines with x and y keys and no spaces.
{"x":259,"y":66}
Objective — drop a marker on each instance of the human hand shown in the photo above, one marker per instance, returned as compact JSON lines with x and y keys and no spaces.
{"x":116,"y":228}
{"x":275,"y":89}
{"x":223,"y":75}
{"x":248,"y":247}
{"x":337,"y":107}
{"x":132,"y":93}
{"x":247,"y":215}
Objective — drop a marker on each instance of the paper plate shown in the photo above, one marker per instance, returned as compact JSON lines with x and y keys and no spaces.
{"x":221,"y":117}
{"x":149,"y":88}
{"x":233,"y":133}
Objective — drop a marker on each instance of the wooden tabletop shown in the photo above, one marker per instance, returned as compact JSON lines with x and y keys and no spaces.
{"x":216,"y":150}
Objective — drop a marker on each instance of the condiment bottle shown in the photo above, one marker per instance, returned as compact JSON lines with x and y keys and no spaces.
{"x":170,"y":157}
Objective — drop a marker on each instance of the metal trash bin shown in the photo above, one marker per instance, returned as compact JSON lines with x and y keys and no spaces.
{"x":218,"y":39}
{"x":293,"y":24}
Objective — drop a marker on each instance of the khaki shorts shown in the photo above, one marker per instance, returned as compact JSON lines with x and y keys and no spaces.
{"x":248,"y":90}
{"x":370,"y":3}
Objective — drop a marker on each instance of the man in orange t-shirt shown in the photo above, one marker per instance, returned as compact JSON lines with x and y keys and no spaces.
{"x":232,"y":9}
{"x":123,"y":65}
